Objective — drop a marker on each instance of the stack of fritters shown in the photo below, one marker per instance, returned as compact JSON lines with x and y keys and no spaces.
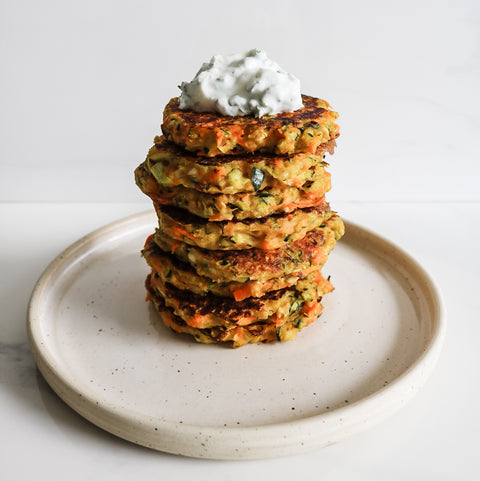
{"x":244,"y":227}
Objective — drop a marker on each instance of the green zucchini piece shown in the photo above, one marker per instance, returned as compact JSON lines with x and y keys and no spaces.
{"x":160,"y":177}
{"x":258,"y":175}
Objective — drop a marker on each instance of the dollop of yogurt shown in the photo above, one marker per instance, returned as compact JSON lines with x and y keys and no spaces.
{"x":241,"y":84}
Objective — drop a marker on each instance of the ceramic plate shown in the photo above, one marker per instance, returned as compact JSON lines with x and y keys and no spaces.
{"x":104,"y":351}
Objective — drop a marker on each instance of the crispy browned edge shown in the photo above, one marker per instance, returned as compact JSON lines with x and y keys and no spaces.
{"x":311,"y":112}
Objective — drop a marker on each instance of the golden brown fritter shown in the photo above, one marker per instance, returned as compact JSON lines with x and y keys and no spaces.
{"x":210,"y":310}
{"x":233,"y":206}
{"x":255,"y":264}
{"x":183,"y":276}
{"x":263,"y":331}
{"x":265,"y":233}
{"x":212,"y":134}
{"x":172,"y":166}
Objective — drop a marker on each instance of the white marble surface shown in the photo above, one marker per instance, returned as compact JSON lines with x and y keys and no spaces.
{"x":435,"y":437}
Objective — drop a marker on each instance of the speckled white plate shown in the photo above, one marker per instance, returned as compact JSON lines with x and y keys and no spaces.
{"x":102,"y":349}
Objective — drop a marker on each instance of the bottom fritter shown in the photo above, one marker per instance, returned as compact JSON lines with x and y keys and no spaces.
{"x":266,"y":330}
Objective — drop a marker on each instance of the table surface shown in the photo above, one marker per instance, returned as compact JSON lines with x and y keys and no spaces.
{"x":434,"y":437}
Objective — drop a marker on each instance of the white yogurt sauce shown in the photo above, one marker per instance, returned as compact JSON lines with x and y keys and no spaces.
{"x":241,"y":84}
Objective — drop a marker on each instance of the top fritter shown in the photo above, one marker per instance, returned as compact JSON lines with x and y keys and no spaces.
{"x":212,"y":134}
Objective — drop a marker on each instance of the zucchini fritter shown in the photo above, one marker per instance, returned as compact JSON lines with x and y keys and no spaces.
{"x":210,"y":310}
{"x":211,"y":134}
{"x":183,"y":276}
{"x":171,"y":166}
{"x":233,"y":206}
{"x":242,"y":266}
{"x":265,"y":233}
{"x":263,"y":331}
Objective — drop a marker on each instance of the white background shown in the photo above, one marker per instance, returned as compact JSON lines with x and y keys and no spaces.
{"x":83,"y":86}
{"x":82,"y":89}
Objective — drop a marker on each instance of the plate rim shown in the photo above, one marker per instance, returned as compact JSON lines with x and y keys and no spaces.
{"x":260,"y":441}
